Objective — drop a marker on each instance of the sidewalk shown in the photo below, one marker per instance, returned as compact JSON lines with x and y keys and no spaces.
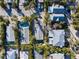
{"x":73,"y":31}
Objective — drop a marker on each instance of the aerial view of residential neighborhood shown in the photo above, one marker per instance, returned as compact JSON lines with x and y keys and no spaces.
{"x":39,"y":29}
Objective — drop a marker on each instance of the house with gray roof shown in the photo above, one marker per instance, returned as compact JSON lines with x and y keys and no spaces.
{"x":57,"y":9}
{"x":37,"y":55}
{"x":58,"y":17}
{"x":10,"y":36}
{"x":56,"y":56}
{"x":38,"y":32}
{"x":11,"y":54}
{"x":24,"y":32}
{"x":57,"y":38}
{"x":24,"y":55}
{"x":57,"y":13}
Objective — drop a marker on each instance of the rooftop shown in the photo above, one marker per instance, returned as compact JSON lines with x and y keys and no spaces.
{"x":11,"y":54}
{"x":24,"y":27}
{"x":55,"y":9}
{"x":23,"y":55}
{"x":37,"y":55}
{"x":57,"y":37}
{"x":38,"y":32}
{"x":56,"y":56}
{"x":57,"y":17}
{"x":10,"y":34}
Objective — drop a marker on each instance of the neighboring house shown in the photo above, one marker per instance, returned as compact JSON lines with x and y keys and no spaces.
{"x":38,"y":33}
{"x":58,"y":17}
{"x":37,"y":55}
{"x":57,"y":13}
{"x":24,"y":30}
{"x":57,"y":9}
{"x":10,"y":36}
{"x":24,"y":55}
{"x":77,"y":56}
{"x":57,"y":37}
{"x":56,"y":56}
{"x":11,"y":54}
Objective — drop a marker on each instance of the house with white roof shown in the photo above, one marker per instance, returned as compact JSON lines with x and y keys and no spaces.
{"x":77,"y":56}
{"x":24,"y":30}
{"x":58,"y":17}
{"x":10,"y":36}
{"x":57,"y":37}
{"x":56,"y":56}
{"x":38,"y":32}
{"x":57,"y":9}
{"x":11,"y":54}
{"x":37,"y":55}
{"x":24,"y":55}
{"x":57,"y":13}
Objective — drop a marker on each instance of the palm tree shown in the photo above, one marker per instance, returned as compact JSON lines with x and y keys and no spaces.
{"x":46,"y":18}
{"x":46,"y":49}
{"x":63,"y":2}
{"x":73,"y":1}
{"x":31,"y":4}
{"x":32,"y":19}
{"x":46,"y":3}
